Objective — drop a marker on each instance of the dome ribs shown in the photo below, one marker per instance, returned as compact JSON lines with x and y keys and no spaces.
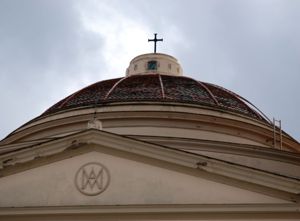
{"x":229,"y":100}
{"x":91,"y":95}
{"x":184,"y":89}
{"x":136,"y":87}
{"x":254,"y":108}
{"x":87,"y":96}
{"x":158,"y":88}
{"x":207,"y":90}
{"x":56,"y":106}
{"x":113,"y":87}
{"x":161,"y":87}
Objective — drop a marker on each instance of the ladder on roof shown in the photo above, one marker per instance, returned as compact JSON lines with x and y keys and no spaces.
{"x":277,"y":131}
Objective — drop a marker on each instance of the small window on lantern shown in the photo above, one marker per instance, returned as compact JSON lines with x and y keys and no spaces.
{"x":152,"y":65}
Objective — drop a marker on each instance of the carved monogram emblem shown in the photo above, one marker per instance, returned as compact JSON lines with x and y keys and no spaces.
{"x":92,"y":179}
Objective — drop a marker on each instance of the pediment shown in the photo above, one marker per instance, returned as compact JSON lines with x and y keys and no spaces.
{"x":99,"y":168}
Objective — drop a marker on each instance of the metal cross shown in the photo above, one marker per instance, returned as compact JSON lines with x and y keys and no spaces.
{"x":155,"y":40}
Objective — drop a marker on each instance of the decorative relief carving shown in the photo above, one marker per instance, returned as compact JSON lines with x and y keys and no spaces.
{"x":92,"y":178}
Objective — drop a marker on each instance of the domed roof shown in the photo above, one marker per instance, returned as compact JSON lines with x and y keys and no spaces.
{"x":155,"y":94}
{"x":155,"y":87}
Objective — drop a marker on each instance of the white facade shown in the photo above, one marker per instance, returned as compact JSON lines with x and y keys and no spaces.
{"x":148,"y":161}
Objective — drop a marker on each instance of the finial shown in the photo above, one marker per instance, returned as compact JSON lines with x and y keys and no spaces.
{"x":155,"y":39}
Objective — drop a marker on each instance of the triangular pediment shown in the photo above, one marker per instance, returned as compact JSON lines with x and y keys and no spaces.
{"x":99,"y":168}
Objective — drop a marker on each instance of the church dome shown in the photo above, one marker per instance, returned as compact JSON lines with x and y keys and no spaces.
{"x":156,"y":87}
{"x":154,"y":102}
{"x":157,"y":77}
{"x":154,"y":129}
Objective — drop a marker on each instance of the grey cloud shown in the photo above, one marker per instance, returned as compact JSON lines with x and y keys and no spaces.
{"x":251,"y":47}
{"x":43,"y":50}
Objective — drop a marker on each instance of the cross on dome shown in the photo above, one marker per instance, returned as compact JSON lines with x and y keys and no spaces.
{"x":155,"y":39}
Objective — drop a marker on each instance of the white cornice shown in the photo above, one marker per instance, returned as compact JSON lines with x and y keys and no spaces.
{"x":278,"y":210}
{"x":98,"y":138}
{"x":226,"y":147}
{"x":228,"y":123}
{"x":146,"y":106}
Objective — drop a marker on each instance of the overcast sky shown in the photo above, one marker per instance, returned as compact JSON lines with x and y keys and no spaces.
{"x":52,"y":48}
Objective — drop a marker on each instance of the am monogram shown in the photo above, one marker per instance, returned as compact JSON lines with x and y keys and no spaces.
{"x":92,"y":178}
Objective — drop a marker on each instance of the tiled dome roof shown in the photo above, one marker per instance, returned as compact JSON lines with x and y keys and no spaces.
{"x":157,"y":88}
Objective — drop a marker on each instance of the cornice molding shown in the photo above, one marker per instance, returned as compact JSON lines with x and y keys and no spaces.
{"x":223,"y":147}
{"x":273,"y":210}
{"x":96,"y":139}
